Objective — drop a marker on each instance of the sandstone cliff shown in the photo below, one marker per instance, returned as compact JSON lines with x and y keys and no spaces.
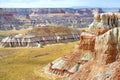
{"x":97,"y":56}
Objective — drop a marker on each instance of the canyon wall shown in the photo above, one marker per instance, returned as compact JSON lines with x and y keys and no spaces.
{"x":97,"y":55}
{"x":19,"y":18}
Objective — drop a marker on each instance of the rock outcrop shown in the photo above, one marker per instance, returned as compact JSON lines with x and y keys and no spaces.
{"x":36,"y":41}
{"x":97,"y":56}
{"x":105,"y":21}
{"x":37,"y":37}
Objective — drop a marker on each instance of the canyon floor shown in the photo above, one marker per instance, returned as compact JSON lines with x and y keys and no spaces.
{"x":28,"y":63}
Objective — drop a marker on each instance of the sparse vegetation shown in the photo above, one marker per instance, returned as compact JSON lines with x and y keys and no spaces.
{"x":42,"y":31}
{"x":83,"y":29}
{"x":28,"y":63}
{"x":12,"y":32}
{"x":53,"y":30}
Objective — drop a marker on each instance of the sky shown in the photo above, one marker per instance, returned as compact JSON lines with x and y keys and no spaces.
{"x":59,"y":3}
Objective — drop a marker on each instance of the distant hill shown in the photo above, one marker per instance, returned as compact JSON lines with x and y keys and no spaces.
{"x":52,"y":30}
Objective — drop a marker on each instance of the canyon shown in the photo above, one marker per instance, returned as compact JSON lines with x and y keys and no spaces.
{"x":22,"y":18}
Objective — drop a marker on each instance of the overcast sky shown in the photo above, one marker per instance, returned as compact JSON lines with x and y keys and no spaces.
{"x":58,"y":3}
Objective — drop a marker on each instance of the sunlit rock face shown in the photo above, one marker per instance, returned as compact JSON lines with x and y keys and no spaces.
{"x":105,"y":64}
{"x":105,"y":21}
{"x":106,"y":46}
{"x":97,"y":56}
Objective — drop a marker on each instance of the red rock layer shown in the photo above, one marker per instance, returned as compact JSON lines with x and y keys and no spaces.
{"x":103,"y":43}
{"x":106,"y":63}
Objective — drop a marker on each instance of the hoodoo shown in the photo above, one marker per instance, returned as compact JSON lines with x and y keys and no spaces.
{"x":97,"y":56}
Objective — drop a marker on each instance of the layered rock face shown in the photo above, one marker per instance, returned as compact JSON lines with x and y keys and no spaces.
{"x":36,"y":41}
{"x":97,"y":56}
{"x":39,"y":36}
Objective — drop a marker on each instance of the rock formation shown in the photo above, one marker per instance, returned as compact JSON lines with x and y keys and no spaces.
{"x":36,"y":41}
{"x":22,"y":18}
{"x":37,"y":37}
{"x":97,"y":56}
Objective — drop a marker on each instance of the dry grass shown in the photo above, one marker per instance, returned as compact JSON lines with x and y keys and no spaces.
{"x":40,"y":31}
{"x":53,"y":30}
{"x":11,"y":32}
{"x":28,"y":63}
{"x":83,"y":29}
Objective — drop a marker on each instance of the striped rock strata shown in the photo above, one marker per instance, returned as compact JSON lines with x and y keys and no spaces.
{"x":97,"y":56}
{"x":36,"y":41}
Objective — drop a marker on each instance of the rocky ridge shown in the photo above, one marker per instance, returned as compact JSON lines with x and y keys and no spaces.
{"x":39,"y":36}
{"x":97,"y":56}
